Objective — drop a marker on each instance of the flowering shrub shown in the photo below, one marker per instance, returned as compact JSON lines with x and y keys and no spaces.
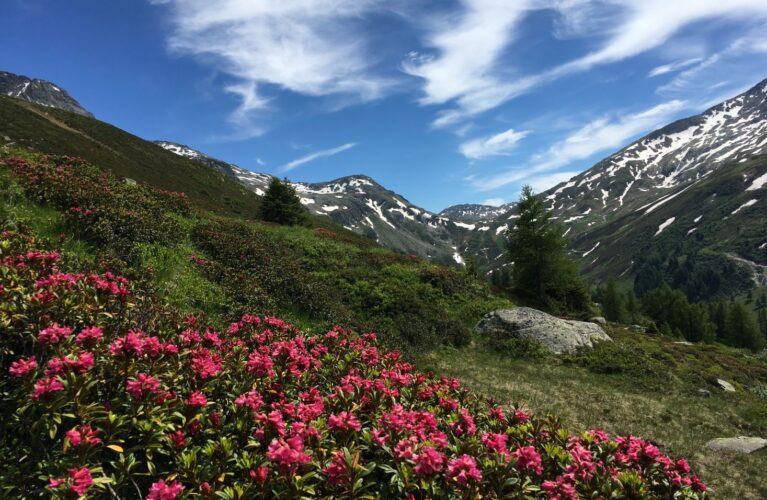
{"x":105,"y":396}
{"x":100,"y":207}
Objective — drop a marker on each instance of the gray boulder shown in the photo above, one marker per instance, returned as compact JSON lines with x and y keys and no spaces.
{"x":726,"y":386}
{"x":740,"y":444}
{"x":557,"y":335}
{"x":598,"y":319}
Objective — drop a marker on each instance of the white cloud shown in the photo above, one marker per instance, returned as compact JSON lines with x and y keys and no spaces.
{"x":594,"y":137}
{"x":471,"y":73}
{"x":317,"y":154}
{"x":260,"y":162}
{"x":494,"y":145}
{"x":310,"y":47}
{"x":494,"y":202}
{"x":541,"y":183}
{"x":671,"y":67}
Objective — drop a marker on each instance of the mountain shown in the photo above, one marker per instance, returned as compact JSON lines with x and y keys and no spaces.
{"x":39,"y":92}
{"x":359,"y":204}
{"x":469,"y":212}
{"x":693,"y":187}
{"x":54,"y":131}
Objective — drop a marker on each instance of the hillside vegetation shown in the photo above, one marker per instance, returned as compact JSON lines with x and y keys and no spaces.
{"x":116,"y":388}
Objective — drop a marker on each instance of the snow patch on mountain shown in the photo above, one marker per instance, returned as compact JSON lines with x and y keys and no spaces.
{"x":666,"y":224}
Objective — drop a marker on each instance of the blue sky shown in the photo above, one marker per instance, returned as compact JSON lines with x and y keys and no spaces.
{"x":444,"y":102}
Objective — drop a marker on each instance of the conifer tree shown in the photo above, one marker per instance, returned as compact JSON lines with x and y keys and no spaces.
{"x":281,"y":205}
{"x":742,"y":330}
{"x":542,"y":272}
{"x":612,"y":304}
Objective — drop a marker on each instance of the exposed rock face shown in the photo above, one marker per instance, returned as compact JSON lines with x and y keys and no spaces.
{"x":557,"y":335}
{"x":740,"y":444}
{"x":598,"y":319}
{"x":39,"y":92}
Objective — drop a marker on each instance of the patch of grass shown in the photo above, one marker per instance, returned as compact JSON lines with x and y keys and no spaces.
{"x":620,"y":396}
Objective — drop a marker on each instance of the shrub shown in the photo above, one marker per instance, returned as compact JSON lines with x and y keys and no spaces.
{"x":109,"y":394}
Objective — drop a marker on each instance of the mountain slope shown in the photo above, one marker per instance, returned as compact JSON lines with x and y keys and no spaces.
{"x":39,"y":92}
{"x":613,"y":211}
{"x":54,"y":131}
{"x":359,"y":204}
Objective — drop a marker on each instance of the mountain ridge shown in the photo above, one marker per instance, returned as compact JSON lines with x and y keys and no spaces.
{"x":40,"y":92}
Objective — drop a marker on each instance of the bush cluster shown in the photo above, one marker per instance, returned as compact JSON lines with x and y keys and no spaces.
{"x":101,"y":208}
{"x":105,"y":393}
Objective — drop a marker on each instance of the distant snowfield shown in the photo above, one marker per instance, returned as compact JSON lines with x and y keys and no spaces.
{"x":758,"y":183}
{"x":665,"y":225}
{"x":745,"y":205}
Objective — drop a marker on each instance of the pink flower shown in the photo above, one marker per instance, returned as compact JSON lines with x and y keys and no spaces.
{"x":496,"y":443}
{"x":81,"y":480}
{"x":83,"y":435}
{"x":142,"y":385}
{"x":164,"y":491}
{"x":463,"y":469}
{"x":46,"y":386}
{"x":344,"y":421}
{"x":251,"y":399}
{"x":55,"y":483}
{"x":337,"y":471}
{"x":178,"y":439}
{"x":53,"y":334}
{"x":22,"y":367}
{"x":527,"y":459}
{"x":89,"y":336}
{"x":464,"y":424}
{"x":197,"y":400}
{"x":428,"y":461}
{"x":260,"y":474}
{"x":260,"y":364}
{"x":288,"y":454}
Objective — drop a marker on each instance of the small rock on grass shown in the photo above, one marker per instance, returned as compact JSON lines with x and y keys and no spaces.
{"x":740,"y":444}
{"x":726,"y":386}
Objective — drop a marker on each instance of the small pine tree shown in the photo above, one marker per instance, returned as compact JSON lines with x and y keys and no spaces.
{"x":742,"y":330}
{"x":542,"y":272}
{"x":281,"y":205}
{"x":632,"y":307}
{"x":470,"y":266}
{"x":612,"y":304}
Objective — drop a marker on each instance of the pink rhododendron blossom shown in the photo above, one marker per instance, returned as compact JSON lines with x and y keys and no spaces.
{"x":197,"y":399}
{"x":288,"y":454}
{"x":528,"y":460}
{"x":165,"y":491}
{"x":84,"y":435}
{"x":22,"y":367}
{"x":89,"y":336}
{"x":428,"y":461}
{"x":46,"y":386}
{"x":344,"y":421}
{"x":143,"y":384}
{"x":463,"y":470}
{"x":53,"y":334}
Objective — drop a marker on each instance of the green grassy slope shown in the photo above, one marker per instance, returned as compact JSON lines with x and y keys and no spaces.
{"x":54,"y":131}
{"x":639,"y":384}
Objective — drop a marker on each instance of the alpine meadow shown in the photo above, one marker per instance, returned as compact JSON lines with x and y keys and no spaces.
{"x":369,"y":249}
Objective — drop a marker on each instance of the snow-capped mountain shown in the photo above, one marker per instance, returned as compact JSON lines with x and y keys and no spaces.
{"x":469,"y":212}
{"x":359,"y":204}
{"x":39,"y":92}
{"x":628,"y":202}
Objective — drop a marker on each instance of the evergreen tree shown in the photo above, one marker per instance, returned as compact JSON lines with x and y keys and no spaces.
{"x":281,"y":205}
{"x":632,"y":307}
{"x":470,"y":266}
{"x":742,"y":330}
{"x":612,"y":304}
{"x":542,"y":272}
{"x":719,"y":316}
{"x":495,"y":277}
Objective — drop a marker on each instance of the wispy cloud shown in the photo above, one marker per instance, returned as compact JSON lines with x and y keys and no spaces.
{"x":317,"y":154}
{"x":310,"y":47}
{"x":628,"y":28}
{"x":541,"y":183}
{"x":494,"y":202}
{"x":495,"y":145}
{"x":671,"y":67}
{"x":599,"y":135}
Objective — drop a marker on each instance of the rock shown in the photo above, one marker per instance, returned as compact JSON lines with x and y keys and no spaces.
{"x":705,"y":393}
{"x":638,"y":328}
{"x":557,"y":335}
{"x":740,"y":444}
{"x":598,"y":319}
{"x":683,"y":342}
{"x":726,"y":386}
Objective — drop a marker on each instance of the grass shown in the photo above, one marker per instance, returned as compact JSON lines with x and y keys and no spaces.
{"x":663,"y":406}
